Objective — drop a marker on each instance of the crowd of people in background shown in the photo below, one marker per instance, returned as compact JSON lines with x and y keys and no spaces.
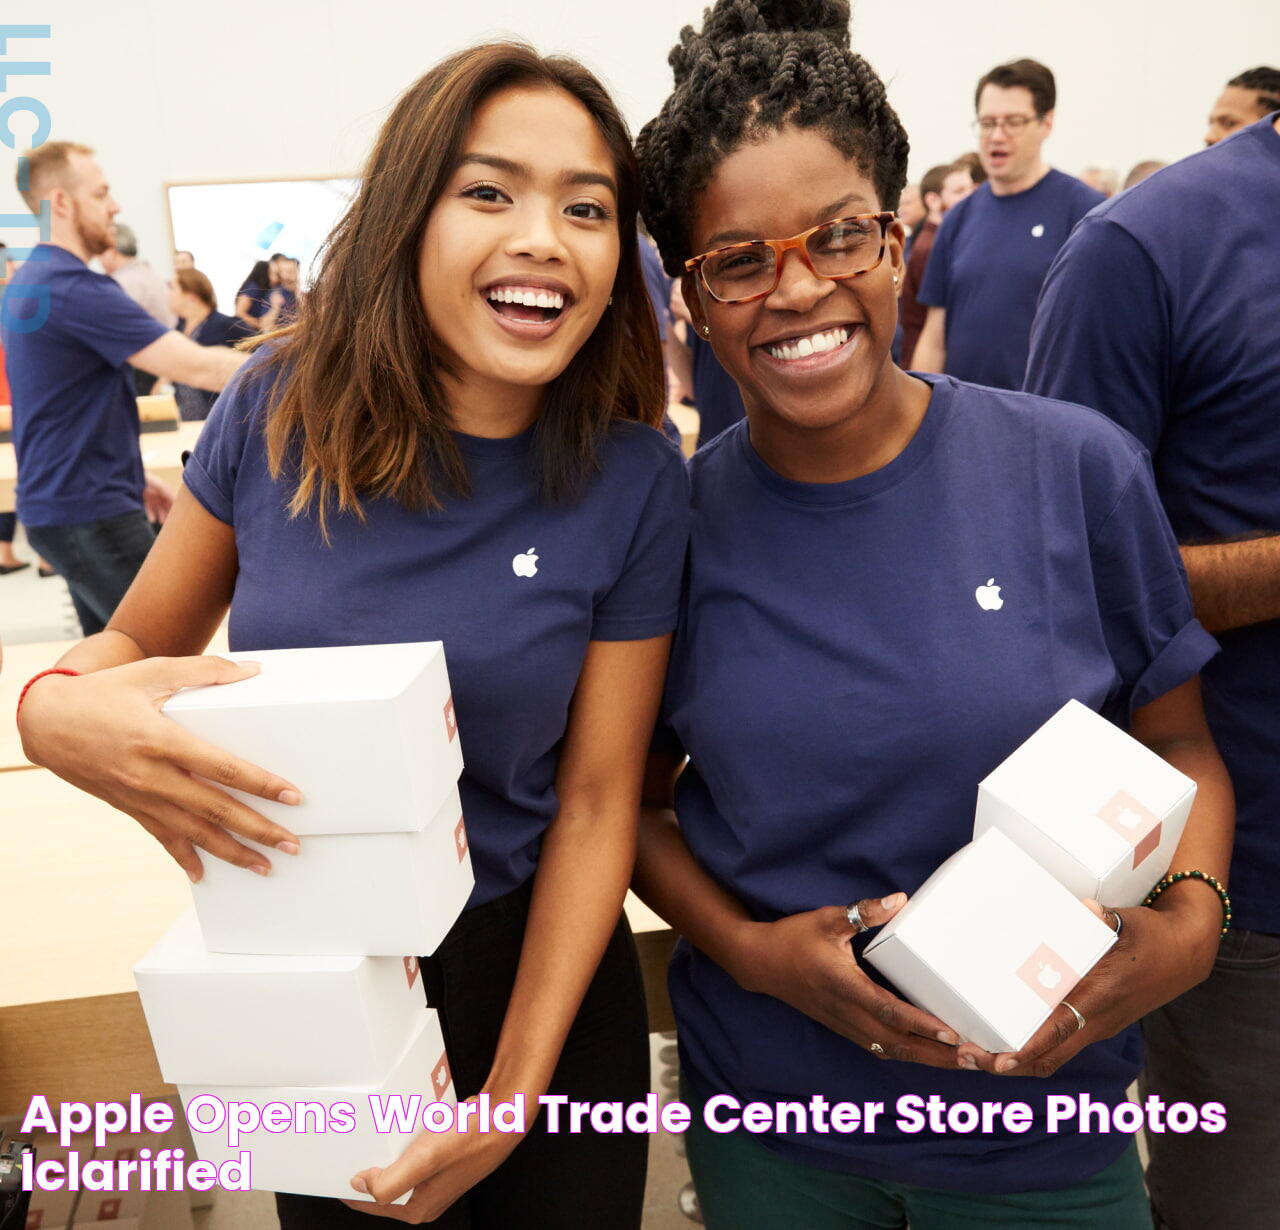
{"x":1017,"y":288}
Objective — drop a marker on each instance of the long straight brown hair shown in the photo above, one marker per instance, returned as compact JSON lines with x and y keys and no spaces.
{"x":357,"y":408}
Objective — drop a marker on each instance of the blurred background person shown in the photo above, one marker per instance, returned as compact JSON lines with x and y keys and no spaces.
{"x":88,"y":504}
{"x":1244,"y":100}
{"x":192,"y":299}
{"x":1102,"y":179}
{"x":9,"y":560}
{"x":911,"y":208}
{"x":182,"y":259}
{"x":1141,"y":171}
{"x":911,"y":312}
{"x":971,"y":160}
{"x":251,"y":299}
{"x":994,"y":248}
{"x":142,"y":284}
{"x":958,"y":184}
{"x":282,"y":301}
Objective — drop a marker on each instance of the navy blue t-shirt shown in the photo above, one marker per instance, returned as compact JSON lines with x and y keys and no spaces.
{"x":1171,"y":328}
{"x":216,"y":329}
{"x":606,"y":568}
{"x":841,"y":692}
{"x":988,"y":262}
{"x":67,"y":334}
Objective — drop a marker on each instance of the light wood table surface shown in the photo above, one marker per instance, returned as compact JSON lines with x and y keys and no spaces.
{"x":161,"y":458}
{"x":86,"y":892}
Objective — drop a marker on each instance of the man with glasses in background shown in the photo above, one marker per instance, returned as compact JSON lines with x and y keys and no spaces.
{"x":994,"y":248}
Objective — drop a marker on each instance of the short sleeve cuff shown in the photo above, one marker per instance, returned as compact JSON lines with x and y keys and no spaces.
{"x":201,"y":485}
{"x":1181,"y":659}
{"x":635,"y":628}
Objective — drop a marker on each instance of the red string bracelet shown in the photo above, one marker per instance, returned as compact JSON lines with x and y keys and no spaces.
{"x":54,"y":670}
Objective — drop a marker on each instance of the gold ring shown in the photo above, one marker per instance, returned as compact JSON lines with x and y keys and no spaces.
{"x":877,"y":1049}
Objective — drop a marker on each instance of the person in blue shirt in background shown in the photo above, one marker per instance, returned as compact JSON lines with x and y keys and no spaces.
{"x":840,"y":688}
{"x":464,"y":448}
{"x":251,"y":298}
{"x":70,"y":339}
{"x":193,"y":302}
{"x":993,"y":249}
{"x":1245,"y":100}
{"x":1162,"y":312}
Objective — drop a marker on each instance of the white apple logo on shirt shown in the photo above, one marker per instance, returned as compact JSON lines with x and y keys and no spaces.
{"x":525,"y":565}
{"x":988,"y":595}
{"x":1038,"y":230}
{"x":1048,"y":976}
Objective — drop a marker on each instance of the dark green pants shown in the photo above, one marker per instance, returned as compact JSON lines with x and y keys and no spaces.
{"x":744,"y":1186}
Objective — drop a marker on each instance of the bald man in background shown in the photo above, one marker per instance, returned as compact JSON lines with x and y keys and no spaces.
{"x":70,"y":336}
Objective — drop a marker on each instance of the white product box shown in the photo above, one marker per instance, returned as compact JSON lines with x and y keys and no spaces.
{"x":991,"y":943}
{"x":224,"y":1019}
{"x":1094,"y":807}
{"x":366,"y":733}
{"x":313,"y":1163}
{"x":361,"y":894}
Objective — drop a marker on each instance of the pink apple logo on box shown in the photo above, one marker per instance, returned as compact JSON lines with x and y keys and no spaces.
{"x":411,"y":969}
{"x":460,"y":838}
{"x":441,"y":1078}
{"x":109,"y":1210}
{"x":1138,"y":825}
{"x":1048,"y":975}
{"x":450,"y":720}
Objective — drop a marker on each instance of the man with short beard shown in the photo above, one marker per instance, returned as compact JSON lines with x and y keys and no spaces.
{"x":69,"y":337}
{"x":1244,"y":100}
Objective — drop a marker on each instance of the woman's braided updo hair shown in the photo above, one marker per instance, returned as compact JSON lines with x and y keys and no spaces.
{"x":755,"y":66}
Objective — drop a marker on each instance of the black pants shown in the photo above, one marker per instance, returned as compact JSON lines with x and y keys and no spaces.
{"x":561,"y":1181}
{"x":97,"y":559}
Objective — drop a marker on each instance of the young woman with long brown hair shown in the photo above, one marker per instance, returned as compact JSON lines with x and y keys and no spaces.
{"x":457,"y":441}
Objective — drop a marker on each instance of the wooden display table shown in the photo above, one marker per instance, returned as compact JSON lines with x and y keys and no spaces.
{"x":161,"y":458}
{"x":86,"y":892}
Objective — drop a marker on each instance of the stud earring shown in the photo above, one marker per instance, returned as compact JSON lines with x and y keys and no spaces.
{"x":895,"y":279}
{"x":706,"y":330}
{"x":610,"y":303}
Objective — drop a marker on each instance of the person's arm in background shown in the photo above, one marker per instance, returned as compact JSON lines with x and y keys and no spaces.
{"x":930,"y":354}
{"x":1101,"y":338}
{"x":244,"y":310}
{"x":178,"y":358}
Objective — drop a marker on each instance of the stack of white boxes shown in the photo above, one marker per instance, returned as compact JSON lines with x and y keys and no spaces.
{"x":998,"y":936}
{"x":301,"y":986}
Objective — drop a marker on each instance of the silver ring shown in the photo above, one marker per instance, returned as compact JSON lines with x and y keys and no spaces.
{"x":855,"y":918}
{"x":1075,"y":1012}
{"x":877,"y":1049}
{"x":1119,"y":921}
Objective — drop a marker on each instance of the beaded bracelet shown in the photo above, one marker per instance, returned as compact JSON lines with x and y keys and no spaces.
{"x":56,"y":670}
{"x":1211,"y":881}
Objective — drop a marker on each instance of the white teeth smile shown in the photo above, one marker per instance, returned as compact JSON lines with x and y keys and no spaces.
{"x":529,"y":296}
{"x":815,"y":343}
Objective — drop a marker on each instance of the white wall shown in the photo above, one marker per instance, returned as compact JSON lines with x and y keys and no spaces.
{"x":172,"y":89}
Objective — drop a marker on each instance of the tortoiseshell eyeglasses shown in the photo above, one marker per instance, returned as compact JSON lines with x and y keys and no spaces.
{"x":836,"y":250}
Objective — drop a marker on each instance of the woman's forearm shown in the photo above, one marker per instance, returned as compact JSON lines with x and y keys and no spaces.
{"x":102,"y":651}
{"x":578,"y":890}
{"x":672,"y":882}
